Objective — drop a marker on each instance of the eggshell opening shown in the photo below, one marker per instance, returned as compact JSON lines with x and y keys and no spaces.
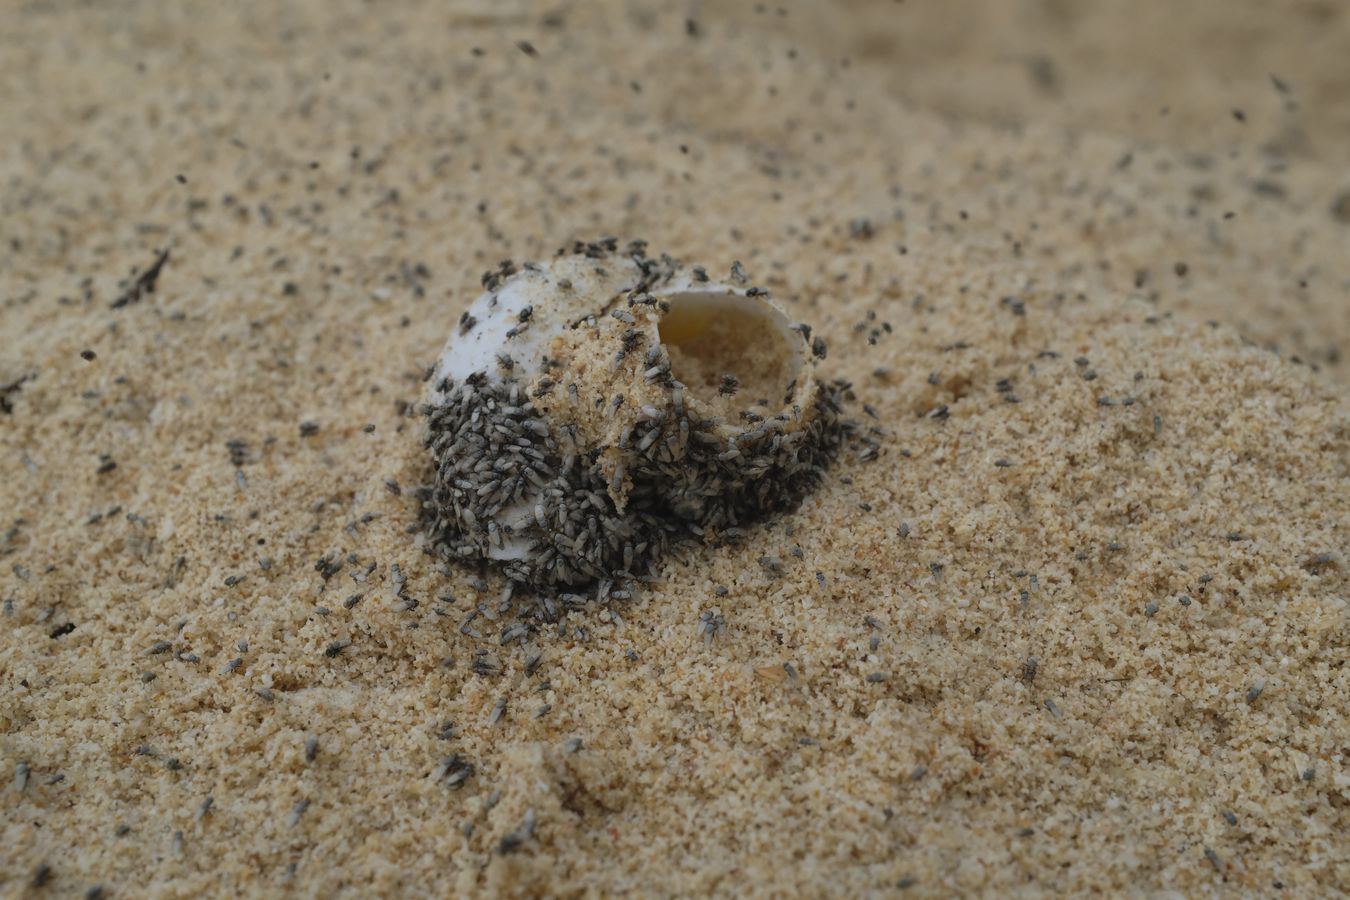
{"x":732,"y":352}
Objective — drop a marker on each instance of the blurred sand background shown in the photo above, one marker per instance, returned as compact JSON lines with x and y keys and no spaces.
{"x":1092,"y":640}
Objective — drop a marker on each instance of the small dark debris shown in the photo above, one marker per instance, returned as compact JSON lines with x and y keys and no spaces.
{"x":1340,"y":207}
{"x":144,"y":283}
{"x":6,"y":389}
{"x":456,"y":770}
{"x":328,"y":566}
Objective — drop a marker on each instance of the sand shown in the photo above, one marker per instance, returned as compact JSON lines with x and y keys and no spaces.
{"x":1080,"y":626}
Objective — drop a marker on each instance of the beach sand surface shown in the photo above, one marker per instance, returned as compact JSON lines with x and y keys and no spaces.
{"x":1079,"y":625}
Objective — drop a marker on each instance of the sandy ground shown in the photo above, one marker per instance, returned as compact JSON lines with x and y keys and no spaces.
{"x":1081,"y":626}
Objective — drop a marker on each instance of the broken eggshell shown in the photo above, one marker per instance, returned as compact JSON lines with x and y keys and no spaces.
{"x":590,"y":411}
